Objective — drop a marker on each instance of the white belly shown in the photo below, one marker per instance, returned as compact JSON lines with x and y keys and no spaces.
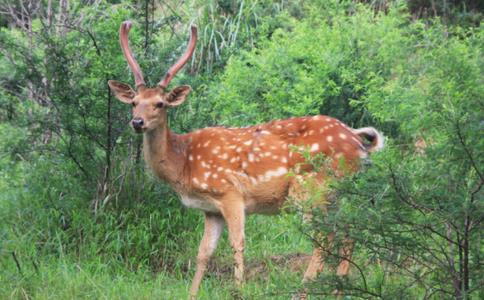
{"x":198,"y":203}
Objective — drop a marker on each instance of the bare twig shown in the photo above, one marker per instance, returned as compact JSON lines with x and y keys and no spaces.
{"x":17,"y":263}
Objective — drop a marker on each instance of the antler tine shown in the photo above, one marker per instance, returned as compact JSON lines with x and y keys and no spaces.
{"x":133,"y":65}
{"x":182,"y":61}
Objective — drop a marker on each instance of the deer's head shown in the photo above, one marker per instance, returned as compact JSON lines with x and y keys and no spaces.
{"x":150,"y":104}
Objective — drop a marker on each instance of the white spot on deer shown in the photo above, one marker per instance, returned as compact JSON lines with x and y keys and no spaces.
{"x":232,"y":146}
{"x":228,"y":171}
{"x":274,"y":157}
{"x":331,"y":125}
{"x":253,"y":180}
{"x":190,"y":157}
{"x":204,"y":186}
{"x":314,"y":147}
{"x":220,"y":169}
{"x":215,"y":150}
{"x":275,"y":173}
{"x":267,"y":154}
{"x":215,"y":175}
{"x":284,"y":159}
{"x":327,"y":119}
{"x":251,"y":157}
{"x":206,"y":144}
{"x":223,"y":180}
{"x":199,"y":156}
{"x":233,"y":159}
{"x":238,"y":150}
{"x":244,"y":164}
{"x":311,"y":132}
{"x":265,"y":132}
{"x":196,"y":181}
{"x":342,"y":136}
{"x":204,"y":164}
{"x":198,"y":145}
{"x":305,"y":134}
{"x":329,"y":138}
{"x":248,"y":143}
{"x":225,"y":156}
{"x":257,"y":149}
{"x":207,"y":174}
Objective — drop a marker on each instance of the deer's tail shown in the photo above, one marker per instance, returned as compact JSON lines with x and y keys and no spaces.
{"x":375,"y":139}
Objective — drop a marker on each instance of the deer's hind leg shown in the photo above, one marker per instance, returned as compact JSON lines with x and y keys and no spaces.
{"x":316,"y":264}
{"x":233,"y":211}
{"x":345,"y":254}
{"x":311,"y":187}
{"x":308,"y":191}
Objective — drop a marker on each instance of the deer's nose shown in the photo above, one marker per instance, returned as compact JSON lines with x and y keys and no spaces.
{"x":137,"y":123}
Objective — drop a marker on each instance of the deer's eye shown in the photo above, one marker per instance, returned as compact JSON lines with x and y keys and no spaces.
{"x":134,"y":104}
{"x":160,"y":104}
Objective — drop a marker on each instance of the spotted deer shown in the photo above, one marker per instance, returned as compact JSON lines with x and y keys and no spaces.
{"x":228,"y":173}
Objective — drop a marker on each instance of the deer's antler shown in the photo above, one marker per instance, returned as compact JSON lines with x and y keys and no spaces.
{"x":182,"y":61}
{"x":133,"y":65}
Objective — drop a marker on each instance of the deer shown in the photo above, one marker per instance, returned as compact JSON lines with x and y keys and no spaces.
{"x":229,"y":173}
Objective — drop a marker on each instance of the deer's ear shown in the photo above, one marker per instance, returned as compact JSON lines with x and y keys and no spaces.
{"x":178,"y":95}
{"x":122,"y":91}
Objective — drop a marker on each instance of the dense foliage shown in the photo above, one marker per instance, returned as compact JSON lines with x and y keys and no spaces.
{"x":80,"y":217}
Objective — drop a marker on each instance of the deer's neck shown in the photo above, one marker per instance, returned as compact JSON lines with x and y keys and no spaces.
{"x":164,"y":152}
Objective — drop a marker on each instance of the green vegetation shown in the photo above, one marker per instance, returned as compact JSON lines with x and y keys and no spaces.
{"x":81,"y":218}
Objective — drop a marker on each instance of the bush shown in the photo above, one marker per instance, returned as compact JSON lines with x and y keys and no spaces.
{"x":415,"y":214}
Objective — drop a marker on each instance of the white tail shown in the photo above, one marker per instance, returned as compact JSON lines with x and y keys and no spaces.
{"x":375,"y":138}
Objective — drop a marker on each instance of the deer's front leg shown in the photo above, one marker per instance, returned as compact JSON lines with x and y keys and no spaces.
{"x":234,"y":214}
{"x":213,"y":229}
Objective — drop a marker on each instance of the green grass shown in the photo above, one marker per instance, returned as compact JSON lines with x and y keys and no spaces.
{"x":65,"y":275}
{"x":69,"y":280}
{"x":144,"y":250}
